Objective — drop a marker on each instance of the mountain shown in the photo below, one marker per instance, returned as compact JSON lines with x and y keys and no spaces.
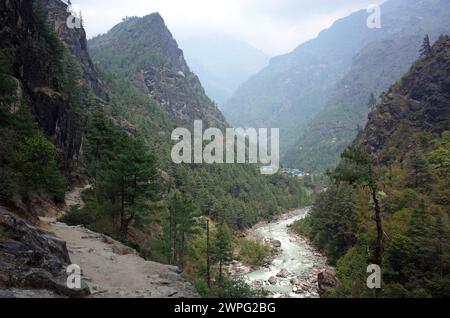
{"x":294,"y":88}
{"x":374,"y":67}
{"x":141,"y":52}
{"x":91,"y":143}
{"x":144,"y":51}
{"x":397,"y":172}
{"x":222,"y":63}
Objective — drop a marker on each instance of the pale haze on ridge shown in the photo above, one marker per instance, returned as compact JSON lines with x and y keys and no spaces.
{"x":273,"y":26}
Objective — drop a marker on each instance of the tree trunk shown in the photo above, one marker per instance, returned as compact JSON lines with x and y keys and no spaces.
{"x":208,"y":265}
{"x":220,"y":272}
{"x":171,"y":235}
{"x":122,"y":207}
{"x":183,"y":240}
{"x":379,"y":249}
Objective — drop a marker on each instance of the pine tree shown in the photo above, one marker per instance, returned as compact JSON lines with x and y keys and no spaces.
{"x":372,"y":102}
{"x":425,"y":50}
{"x":420,"y":169}
{"x":182,"y":225}
{"x":223,"y":249}
{"x":358,"y":169}
{"x":138,"y":174}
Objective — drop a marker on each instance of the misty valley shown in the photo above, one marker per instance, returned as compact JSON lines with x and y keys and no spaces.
{"x":124,"y":173}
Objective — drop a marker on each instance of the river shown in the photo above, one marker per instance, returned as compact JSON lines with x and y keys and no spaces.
{"x":300,"y":262}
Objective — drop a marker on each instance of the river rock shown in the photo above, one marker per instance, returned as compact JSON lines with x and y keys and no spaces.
{"x":276,"y":243}
{"x":258,"y":283}
{"x":283,"y":273}
{"x":273,"y":280}
{"x":295,"y":282}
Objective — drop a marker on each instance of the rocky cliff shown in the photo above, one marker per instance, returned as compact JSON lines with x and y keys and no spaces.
{"x":41,"y":73}
{"x":56,"y":13}
{"x":144,"y":51}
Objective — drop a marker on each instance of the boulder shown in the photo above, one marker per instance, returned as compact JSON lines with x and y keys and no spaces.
{"x":31,"y":259}
{"x":273,"y":280}
{"x":283,"y":273}
{"x":327,"y":282}
{"x":276,"y":243}
{"x":258,"y":283}
{"x":295,"y":282}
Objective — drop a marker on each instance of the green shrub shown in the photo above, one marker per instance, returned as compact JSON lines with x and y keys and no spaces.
{"x":252,"y":253}
{"x":238,"y":288}
{"x":77,"y":216}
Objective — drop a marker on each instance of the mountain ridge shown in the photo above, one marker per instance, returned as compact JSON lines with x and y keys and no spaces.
{"x":297,"y":87}
{"x":158,"y":68}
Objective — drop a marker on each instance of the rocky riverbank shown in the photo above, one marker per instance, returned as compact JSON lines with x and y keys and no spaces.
{"x":293,"y":268}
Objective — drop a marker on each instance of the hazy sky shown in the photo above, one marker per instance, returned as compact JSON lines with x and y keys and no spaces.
{"x":274,"y":26}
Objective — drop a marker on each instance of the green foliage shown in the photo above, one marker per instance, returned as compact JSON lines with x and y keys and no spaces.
{"x":238,"y":288}
{"x":179,"y":227}
{"x":425,"y":50}
{"x":35,"y":162}
{"x":252,"y":253}
{"x":416,"y":258}
{"x":351,"y":270}
{"x":230,"y":289}
{"x":28,"y":159}
{"x":332,"y":226}
{"x":405,"y":179}
{"x":124,"y":172}
{"x":222,"y":251}
{"x":79,"y":216}
{"x":420,"y":170}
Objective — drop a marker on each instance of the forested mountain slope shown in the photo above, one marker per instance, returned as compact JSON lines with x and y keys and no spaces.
{"x":374,"y":68}
{"x":294,"y":88}
{"x":397,"y":170}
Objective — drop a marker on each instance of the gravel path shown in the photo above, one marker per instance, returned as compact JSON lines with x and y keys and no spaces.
{"x":113,"y":270}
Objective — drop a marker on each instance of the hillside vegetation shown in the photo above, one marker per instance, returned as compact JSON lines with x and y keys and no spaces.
{"x":388,"y":203}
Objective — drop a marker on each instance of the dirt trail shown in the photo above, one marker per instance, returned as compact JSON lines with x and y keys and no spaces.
{"x":111,"y":269}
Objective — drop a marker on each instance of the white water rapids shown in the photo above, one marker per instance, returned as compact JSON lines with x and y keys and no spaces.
{"x":301,"y":260}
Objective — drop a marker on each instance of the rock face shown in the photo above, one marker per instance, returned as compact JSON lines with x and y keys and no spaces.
{"x":31,"y":259}
{"x":38,"y":70}
{"x":74,"y":39}
{"x":146,"y":53}
{"x":326,"y":281}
